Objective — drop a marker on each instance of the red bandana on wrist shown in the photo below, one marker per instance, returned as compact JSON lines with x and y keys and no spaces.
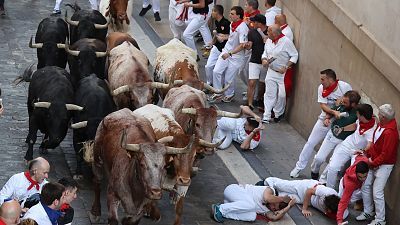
{"x":327,"y":91}
{"x":256,"y":136}
{"x":366,"y":126}
{"x":33,"y":183}
{"x":277,"y":39}
{"x":234,"y":25}
{"x":248,"y":15}
{"x":284,"y":26}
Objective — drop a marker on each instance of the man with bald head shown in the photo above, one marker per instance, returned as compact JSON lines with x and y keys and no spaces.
{"x":280,"y":20}
{"x":23,"y":185}
{"x":10,"y":212}
{"x":279,"y":55}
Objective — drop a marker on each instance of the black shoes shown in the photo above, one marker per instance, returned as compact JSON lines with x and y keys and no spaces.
{"x":144,"y":10}
{"x":157,"y":16}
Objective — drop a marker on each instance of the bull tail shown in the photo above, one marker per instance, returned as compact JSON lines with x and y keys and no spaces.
{"x":88,"y":151}
{"x":75,"y":7}
{"x":26,"y":76}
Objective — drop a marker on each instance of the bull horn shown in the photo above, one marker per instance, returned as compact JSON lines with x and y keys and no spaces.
{"x":73,"y":107}
{"x":173,"y":150}
{"x":101,"y":54}
{"x":69,"y":21}
{"x":79,"y":125}
{"x":178,"y":82}
{"x":228,"y":114}
{"x":120,"y":90}
{"x":42,"y":104}
{"x":101,"y":26}
{"x":61,"y":45}
{"x":192,"y":111}
{"x":214,"y":90}
{"x":69,"y":51}
{"x":209,"y":144}
{"x":159,"y":85}
{"x":129,"y":147}
{"x":36,"y":45}
{"x":166,"y":139}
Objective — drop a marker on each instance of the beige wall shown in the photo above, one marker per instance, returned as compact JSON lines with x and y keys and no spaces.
{"x":326,"y":41}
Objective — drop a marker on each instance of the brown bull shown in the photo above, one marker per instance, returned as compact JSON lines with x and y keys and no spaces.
{"x":192,"y":113}
{"x":117,"y":12}
{"x":116,"y":38}
{"x":179,"y":167}
{"x":182,"y":66}
{"x":130,"y":82}
{"x":135,"y":170}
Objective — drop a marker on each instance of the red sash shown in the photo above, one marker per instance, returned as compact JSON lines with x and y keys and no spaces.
{"x":366,"y":126}
{"x":184,"y":15}
{"x":327,"y":91}
{"x":256,"y":136}
{"x":33,"y":183}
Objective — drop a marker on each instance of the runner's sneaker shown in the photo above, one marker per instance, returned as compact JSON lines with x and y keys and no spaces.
{"x":365,"y":216}
{"x":377,"y":222}
{"x":228,"y":98}
{"x":295,"y":173}
{"x":217,"y":215}
{"x":157,"y":16}
{"x":214,"y":97}
{"x":144,"y":10}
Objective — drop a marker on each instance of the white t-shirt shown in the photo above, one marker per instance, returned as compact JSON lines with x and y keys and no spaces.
{"x":271,"y":13}
{"x":257,"y":193}
{"x":330,"y":100}
{"x":236,"y":38}
{"x":356,"y":140}
{"x":287,"y":31}
{"x":317,"y":200}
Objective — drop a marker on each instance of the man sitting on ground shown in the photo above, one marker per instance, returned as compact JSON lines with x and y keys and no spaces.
{"x":23,"y":185}
{"x":10,"y":212}
{"x":307,"y":192}
{"x":246,"y":131}
{"x":71,"y":187}
{"x":244,"y":202}
{"x":47,"y":212}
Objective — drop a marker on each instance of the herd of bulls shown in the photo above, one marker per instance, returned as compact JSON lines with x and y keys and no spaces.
{"x":142,"y":148}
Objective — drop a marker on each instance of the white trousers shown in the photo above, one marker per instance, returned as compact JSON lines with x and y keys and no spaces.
{"x":329,"y":143}
{"x":196,"y":21}
{"x":244,"y":71}
{"x":318,"y":133}
{"x":373,"y":189}
{"x":204,"y":29}
{"x":93,"y":4}
{"x":173,"y":12}
{"x":275,"y":96}
{"x":225,"y":127}
{"x":230,"y":67}
{"x":340,"y":156}
{"x":155,"y":5}
{"x":238,"y":204}
{"x":211,"y":61}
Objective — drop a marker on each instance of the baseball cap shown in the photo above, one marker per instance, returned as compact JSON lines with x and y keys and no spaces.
{"x":259,"y":18}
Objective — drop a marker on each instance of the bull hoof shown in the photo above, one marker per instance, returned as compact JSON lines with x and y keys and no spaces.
{"x":43,"y":151}
{"x":93,"y":218}
{"x":77,"y":177}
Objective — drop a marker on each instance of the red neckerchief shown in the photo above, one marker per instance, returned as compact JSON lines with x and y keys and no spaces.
{"x":256,"y":136}
{"x":327,"y":91}
{"x":284,"y":26}
{"x":184,"y":15}
{"x":366,"y":126}
{"x":234,"y":25}
{"x":2,"y":222}
{"x":64,"y":207}
{"x":248,"y":15}
{"x":33,"y":183}
{"x":277,"y":39}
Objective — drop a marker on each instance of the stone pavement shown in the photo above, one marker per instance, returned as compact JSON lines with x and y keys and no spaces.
{"x":273,"y":157}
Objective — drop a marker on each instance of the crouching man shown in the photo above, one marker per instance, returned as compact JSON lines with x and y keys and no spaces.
{"x":244,"y":201}
{"x":307,"y":192}
{"x":245,"y":131}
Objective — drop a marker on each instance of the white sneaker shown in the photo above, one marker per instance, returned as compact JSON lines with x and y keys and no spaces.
{"x":365,"y":216}
{"x":377,"y":223}
{"x":295,"y":173}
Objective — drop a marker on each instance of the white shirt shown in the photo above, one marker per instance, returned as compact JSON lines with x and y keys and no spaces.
{"x":330,"y":100}
{"x":236,"y":38}
{"x":271,"y":13}
{"x":317,"y":200}
{"x":288,"y":33}
{"x":257,"y":193}
{"x":283,"y":52}
{"x":17,"y":188}
{"x":357,"y":141}
{"x":38,"y":214}
{"x":239,"y":134}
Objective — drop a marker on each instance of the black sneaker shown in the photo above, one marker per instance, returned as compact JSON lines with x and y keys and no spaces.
{"x":144,"y":10}
{"x":314,"y":176}
{"x":157,"y":16}
{"x":279,"y":118}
